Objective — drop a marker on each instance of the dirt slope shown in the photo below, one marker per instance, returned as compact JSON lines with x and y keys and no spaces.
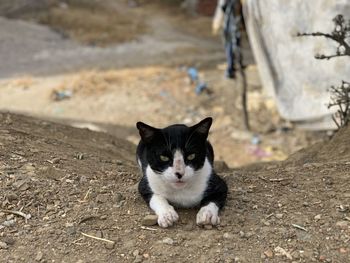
{"x":73,"y":181}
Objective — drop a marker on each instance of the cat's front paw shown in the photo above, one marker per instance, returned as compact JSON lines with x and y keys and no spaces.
{"x":208,"y":215}
{"x":167,"y":217}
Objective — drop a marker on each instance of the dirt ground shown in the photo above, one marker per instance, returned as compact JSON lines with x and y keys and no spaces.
{"x":68,"y":182}
{"x":60,"y":184}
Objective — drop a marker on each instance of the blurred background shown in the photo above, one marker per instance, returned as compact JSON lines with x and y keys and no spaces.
{"x":104,"y":65}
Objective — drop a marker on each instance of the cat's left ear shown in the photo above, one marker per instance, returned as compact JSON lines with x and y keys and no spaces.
{"x":146,"y":132}
{"x":203,"y":126}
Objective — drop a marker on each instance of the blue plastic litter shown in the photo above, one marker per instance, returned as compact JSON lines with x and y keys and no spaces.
{"x":193,"y":74}
{"x":255,"y":140}
{"x":201,"y":87}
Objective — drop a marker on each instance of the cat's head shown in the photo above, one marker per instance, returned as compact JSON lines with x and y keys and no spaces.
{"x":176,"y":153}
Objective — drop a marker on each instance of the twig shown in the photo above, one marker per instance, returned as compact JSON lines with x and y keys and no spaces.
{"x":299,"y":227}
{"x":98,"y":238}
{"x":19,"y":213}
{"x":267,"y":217}
{"x":263,"y":178}
{"x":278,"y":179}
{"x":148,"y":228}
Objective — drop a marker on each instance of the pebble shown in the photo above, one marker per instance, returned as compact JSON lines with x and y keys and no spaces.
{"x":343,"y":250}
{"x":168,"y":241}
{"x":9,"y":223}
{"x":39,"y":256}
{"x":55,"y":160}
{"x":249,"y":234}
{"x":189,"y":227}
{"x":3,"y":245}
{"x":149,"y":220}
{"x":208,"y":227}
{"x":268,"y":253}
{"x":241,"y":234}
{"x":10,"y":217}
{"x":279,"y":216}
{"x":11,"y":197}
{"x":138,"y":259}
{"x":102,"y":198}
{"x":342,"y":224}
{"x":110,"y":245}
{"x":317,"y":217}
{"x":227,"y":236}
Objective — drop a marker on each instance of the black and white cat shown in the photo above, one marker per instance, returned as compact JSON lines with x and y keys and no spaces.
{"x":177,"y":166}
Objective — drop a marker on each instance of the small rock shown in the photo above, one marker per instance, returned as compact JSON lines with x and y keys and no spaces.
{"x":24,"y":187}
{"x":138,"y":259}
{"x":227,"y":236}
{"x":241,"y":234}
{"x":322,"y":258}
{"x":9,"y":223}
{"x":55,"y":160}
{"x":79,"y":156}
{"x":18,"y":183}
{"x":249,"y":234}
{"x":279,"y":216}
{"x":342,"y":224}
{"x":282,"y":252}
{"x":168,"y":241}
{"x":189,"y":226}
{"x":3,"y":245}
{"x":102,"y":198}
{"x":268,"y":253}
{"x":295,"y":254}
{"x":317,"y":217}
{"x":136,"y":253}
{"x":119,"y":197}
{"x":10,"y":217}
{"x":9,"y":241}
{"x":208,"y":227}
{"x":29,"y":167}
{"x":11,"y":197}
{"x":149,"y":220}
{"x":39,"y":256}
{"x":103,"y":217}
{"x":110,"y":245}
{"x":343,"y":250}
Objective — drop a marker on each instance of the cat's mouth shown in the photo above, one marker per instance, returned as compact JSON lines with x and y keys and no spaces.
{"x":179,"y":183}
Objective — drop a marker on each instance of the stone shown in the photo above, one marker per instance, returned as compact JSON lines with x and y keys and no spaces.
{"x":150,"y":220}
{"x":279,"y":216}
{"x":268,"y":253}
{"x":3,"y":245}
{"x":317,"y":217}
{"x":227,"y":236}
{"x":11,"y":197}
{"x":39,"y":256}
{"x":342,"y":224}
{"x":102,"y":198}
{"x":9,"y":223}
{"x":343,"y":250}
{"x":110,"y":245}
{"x":168,"y":241}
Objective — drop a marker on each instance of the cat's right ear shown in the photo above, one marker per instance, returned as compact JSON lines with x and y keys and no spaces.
{"x":146,"y":132}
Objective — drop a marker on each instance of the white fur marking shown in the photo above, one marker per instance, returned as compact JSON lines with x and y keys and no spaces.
{"x":165,"y":212}
{"x":208,"y":215}
{"x":189,"y":193}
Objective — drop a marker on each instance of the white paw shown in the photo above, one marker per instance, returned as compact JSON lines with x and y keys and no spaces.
{"x":208,"y":215}
{"x":167,"y":217}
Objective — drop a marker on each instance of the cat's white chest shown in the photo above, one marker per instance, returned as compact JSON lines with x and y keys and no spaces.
{"x":188,"y":196}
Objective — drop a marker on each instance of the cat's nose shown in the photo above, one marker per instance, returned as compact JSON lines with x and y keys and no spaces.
{"x":178,"y":175}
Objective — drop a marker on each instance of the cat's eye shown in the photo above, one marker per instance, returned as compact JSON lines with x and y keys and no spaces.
{"x":191,"y":156}
{"x":164,"y":158}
